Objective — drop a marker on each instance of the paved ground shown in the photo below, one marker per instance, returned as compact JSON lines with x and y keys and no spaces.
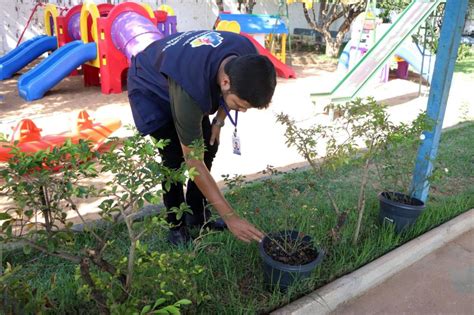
{"x":440,"y":283}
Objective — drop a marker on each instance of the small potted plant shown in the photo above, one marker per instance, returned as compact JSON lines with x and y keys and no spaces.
{"x":389,"y":152}
{"x":362,"y":132}
{"x":288,"y":256}
{"x":393,"y":166}
{"x":399,"y":209}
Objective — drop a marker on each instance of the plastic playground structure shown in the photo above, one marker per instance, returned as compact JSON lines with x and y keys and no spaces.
{"x":255,"y":28}
{"x":27,"y":136}
{"x":364,"y":35}
{"x":99,"y":38}
{"x":395,"y":41}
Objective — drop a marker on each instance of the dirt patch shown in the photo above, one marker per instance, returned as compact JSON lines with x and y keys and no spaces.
{"x":309,"y":59}
{"x":67,"y":97}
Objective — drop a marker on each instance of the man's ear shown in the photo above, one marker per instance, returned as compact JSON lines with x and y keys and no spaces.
{"x":225,"y":83}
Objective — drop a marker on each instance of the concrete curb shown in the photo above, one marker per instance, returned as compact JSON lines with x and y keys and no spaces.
{"x":326,"y":299}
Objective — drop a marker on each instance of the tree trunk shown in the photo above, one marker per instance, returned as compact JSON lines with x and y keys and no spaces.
{"x":220,"y":5}
{"x":332,"y":48}
{"x":96,"y":293}
{"x":249,"y":6}
{"x":328,"y":14}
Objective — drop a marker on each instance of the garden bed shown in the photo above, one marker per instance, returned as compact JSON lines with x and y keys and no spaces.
{"x":231,"y":281}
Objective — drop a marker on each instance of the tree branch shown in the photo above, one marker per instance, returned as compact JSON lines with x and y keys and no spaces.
{"x":361,"y":202}
{"x":66,"y":256}
{"x":74,"y":207}
{"x":312,"y":24}
{"x":336,"y":208}
{"x":96,"y":294}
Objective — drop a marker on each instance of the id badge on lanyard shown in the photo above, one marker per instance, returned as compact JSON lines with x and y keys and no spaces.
{"x":235,"y":137}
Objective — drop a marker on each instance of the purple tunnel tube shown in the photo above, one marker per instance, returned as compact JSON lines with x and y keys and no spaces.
{"x":74,"y":26}
{"x":132,"y":33}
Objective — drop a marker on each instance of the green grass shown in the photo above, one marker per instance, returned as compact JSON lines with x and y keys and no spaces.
{"x":233,"y":278}
{"x":466,"y":66}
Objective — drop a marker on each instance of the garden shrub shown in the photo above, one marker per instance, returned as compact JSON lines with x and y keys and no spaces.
{"x":47,"y":185}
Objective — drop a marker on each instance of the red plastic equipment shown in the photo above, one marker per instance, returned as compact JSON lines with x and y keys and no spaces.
{"x":113,"y":63}
{"x":29,"y":139}
{"x":282,"y":69}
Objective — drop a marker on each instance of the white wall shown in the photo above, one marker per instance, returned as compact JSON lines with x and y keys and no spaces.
{"x":192,"y":15}
{"x":13,"y":17}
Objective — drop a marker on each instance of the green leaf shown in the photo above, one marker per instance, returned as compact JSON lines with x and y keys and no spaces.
{"x":27,"y":249}
{"x":159,"y":302}
{"x":149,"y":149}
{"x":140,"y":203}
{"x":172,"y":309}
{"x":5,"y":216}
{"x":167,"y":186}
{"x":148,"y":197}
{"x":51,"y":246}
{"x":145,"y":309}
{"x":184,"y":302}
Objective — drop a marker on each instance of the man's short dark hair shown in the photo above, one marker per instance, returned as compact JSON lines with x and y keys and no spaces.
{"x":252,"y":78}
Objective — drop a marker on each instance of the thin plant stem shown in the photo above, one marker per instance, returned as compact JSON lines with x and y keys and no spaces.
{"x":361,"y":202}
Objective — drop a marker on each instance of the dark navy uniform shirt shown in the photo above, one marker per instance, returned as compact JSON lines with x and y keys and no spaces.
{"x":192,"y":60}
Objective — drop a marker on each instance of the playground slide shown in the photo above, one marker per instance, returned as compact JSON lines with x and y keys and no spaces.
{"x":282,"y":69}
{"x":415,"y":14}
{"x":414,"y":56}
{"x":26,"y":52}
{"x":408,"y":51}
{"x":33,"y":84}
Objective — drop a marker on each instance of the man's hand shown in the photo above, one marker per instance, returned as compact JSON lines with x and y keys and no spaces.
{"x":243,"y":230}
{"x":215,"y":134}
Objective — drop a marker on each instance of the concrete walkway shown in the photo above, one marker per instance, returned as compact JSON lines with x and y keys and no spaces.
{"x":440,"y":283}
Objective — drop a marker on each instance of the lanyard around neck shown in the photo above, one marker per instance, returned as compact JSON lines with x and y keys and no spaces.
{"x":227,"y":112}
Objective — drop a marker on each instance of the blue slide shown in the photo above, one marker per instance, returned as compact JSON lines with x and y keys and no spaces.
{"x":28,"y":51}
{"x":33,"y":84}
{"x":412,"y":54}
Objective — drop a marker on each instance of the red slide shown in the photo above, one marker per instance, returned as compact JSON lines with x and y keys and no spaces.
{"x":282,"y":70}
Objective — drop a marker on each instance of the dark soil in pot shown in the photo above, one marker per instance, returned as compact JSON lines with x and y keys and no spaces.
{"x":288,"y":256}
{"x":402,"y":198}
{"x":290,"y":252}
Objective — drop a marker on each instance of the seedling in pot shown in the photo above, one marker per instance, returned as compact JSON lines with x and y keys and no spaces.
{"x":291,"y":251}
{"x":288,"y":257}
{"x":388,"y":152}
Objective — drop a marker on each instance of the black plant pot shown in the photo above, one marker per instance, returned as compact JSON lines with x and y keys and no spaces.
{"x":282,"y":275}
{"x":399,"y":209}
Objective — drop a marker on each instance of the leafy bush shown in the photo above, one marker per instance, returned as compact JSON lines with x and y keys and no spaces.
{"x":363,"y":130}
{"x":464,"y":51}
{"x":46,"y":185}
{"x":17,"y":296}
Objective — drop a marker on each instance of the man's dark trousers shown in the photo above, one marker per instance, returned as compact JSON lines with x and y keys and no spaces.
{"x":172,"y":156}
